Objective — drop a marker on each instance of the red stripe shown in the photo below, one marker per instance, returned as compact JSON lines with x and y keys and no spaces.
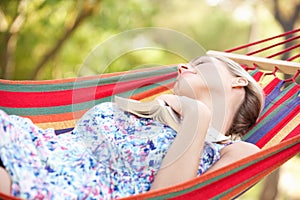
{"x":269,"y":88}
{"x":68,"y":97}
{"x":250,"y":182}
{"x":268,"y":136}
{"x":228,"y":182}
{"x":257,"y":76}
{"x":293,"y":133}
{"x":7,"y":197}
{"x":279,"y":102}
{"x":153,"y":91}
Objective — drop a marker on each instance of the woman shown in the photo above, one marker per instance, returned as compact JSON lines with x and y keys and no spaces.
{"x":112,"y":153}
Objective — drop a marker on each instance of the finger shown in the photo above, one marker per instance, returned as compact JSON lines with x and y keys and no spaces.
{"x":173,"y":101}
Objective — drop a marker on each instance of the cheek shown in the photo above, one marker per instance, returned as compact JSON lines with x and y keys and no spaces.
{"x":213,"y":81}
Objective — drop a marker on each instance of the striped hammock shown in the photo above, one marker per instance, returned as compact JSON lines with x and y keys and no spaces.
{"x":59,"y":103}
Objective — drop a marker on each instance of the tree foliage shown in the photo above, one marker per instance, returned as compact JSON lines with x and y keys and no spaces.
{"x":48,"y":39}
{"x":34,"y":32}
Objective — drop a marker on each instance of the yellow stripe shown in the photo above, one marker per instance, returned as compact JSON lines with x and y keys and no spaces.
{"x":284,"y":131}
{"x":57,"y":125}
{"x":150,"y":98}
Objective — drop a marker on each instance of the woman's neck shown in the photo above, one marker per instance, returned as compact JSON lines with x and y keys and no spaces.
{"x":223,"y":110}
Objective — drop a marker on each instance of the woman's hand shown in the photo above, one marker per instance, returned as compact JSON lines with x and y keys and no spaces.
{"x":173,"y":101}
{"x":184,"y":106}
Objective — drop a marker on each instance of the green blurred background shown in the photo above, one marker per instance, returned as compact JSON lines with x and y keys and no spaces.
{"x":50,"y":39}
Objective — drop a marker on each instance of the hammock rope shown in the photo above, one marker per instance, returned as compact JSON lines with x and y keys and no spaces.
{"x":264,"y":41}
{"x":284,"y":51}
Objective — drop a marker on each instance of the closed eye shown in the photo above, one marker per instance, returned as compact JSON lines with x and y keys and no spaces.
{"x":197,"y":62}
{"x":200,"y":60}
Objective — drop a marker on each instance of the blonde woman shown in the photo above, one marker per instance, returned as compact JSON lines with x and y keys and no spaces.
{"x":112,"y":153}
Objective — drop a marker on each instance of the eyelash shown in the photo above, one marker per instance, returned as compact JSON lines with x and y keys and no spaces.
{"x":197,"y":63}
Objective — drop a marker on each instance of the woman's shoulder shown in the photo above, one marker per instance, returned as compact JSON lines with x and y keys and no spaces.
{"x":239,"y":149}
{"x":233,"y":152}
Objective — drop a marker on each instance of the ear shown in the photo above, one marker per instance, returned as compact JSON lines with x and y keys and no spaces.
{"x":239,"y":82}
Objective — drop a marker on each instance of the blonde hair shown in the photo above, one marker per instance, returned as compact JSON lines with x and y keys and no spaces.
{"x":253,"y":103}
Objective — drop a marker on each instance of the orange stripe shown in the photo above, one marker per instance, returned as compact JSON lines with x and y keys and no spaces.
{"x":56,"y":117}
{"x":153,"y":92}
{"x":251,"y":182}
{"x":216,"y":173}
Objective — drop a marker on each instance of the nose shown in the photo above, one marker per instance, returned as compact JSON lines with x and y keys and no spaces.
{"x":182,"y":67}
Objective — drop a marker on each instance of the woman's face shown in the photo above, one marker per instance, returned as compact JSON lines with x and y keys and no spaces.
{"x":202,"y":76}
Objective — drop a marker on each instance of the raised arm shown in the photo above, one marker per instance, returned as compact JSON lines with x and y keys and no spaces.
{"x":182,"y":159}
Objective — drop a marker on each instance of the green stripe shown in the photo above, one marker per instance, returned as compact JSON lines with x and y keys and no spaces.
{"x":261,"y":123}
{"x":268,"y":155}
{"x":274,"y":112}
{"x":282,"y":93}
{"x":79,"y":106}
{"x":253,"y":72}
{"x":84,"y":83}
{"x":266,"y":119}
{"x":233,"y":188}
{"x":174,"y":194}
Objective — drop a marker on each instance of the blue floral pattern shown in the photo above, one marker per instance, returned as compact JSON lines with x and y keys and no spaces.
{"x":109,"y":154}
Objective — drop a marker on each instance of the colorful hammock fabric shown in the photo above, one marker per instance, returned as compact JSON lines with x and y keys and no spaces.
{"x":59,"y":103}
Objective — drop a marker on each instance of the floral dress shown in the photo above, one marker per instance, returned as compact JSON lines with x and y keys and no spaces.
{"x":110,"y":154}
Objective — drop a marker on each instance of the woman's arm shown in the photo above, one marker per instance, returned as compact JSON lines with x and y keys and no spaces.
{"x":182,"y":159}
{"x":5,"y":183}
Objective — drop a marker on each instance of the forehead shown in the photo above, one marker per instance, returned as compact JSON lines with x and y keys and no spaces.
{"x":202,"y":59}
